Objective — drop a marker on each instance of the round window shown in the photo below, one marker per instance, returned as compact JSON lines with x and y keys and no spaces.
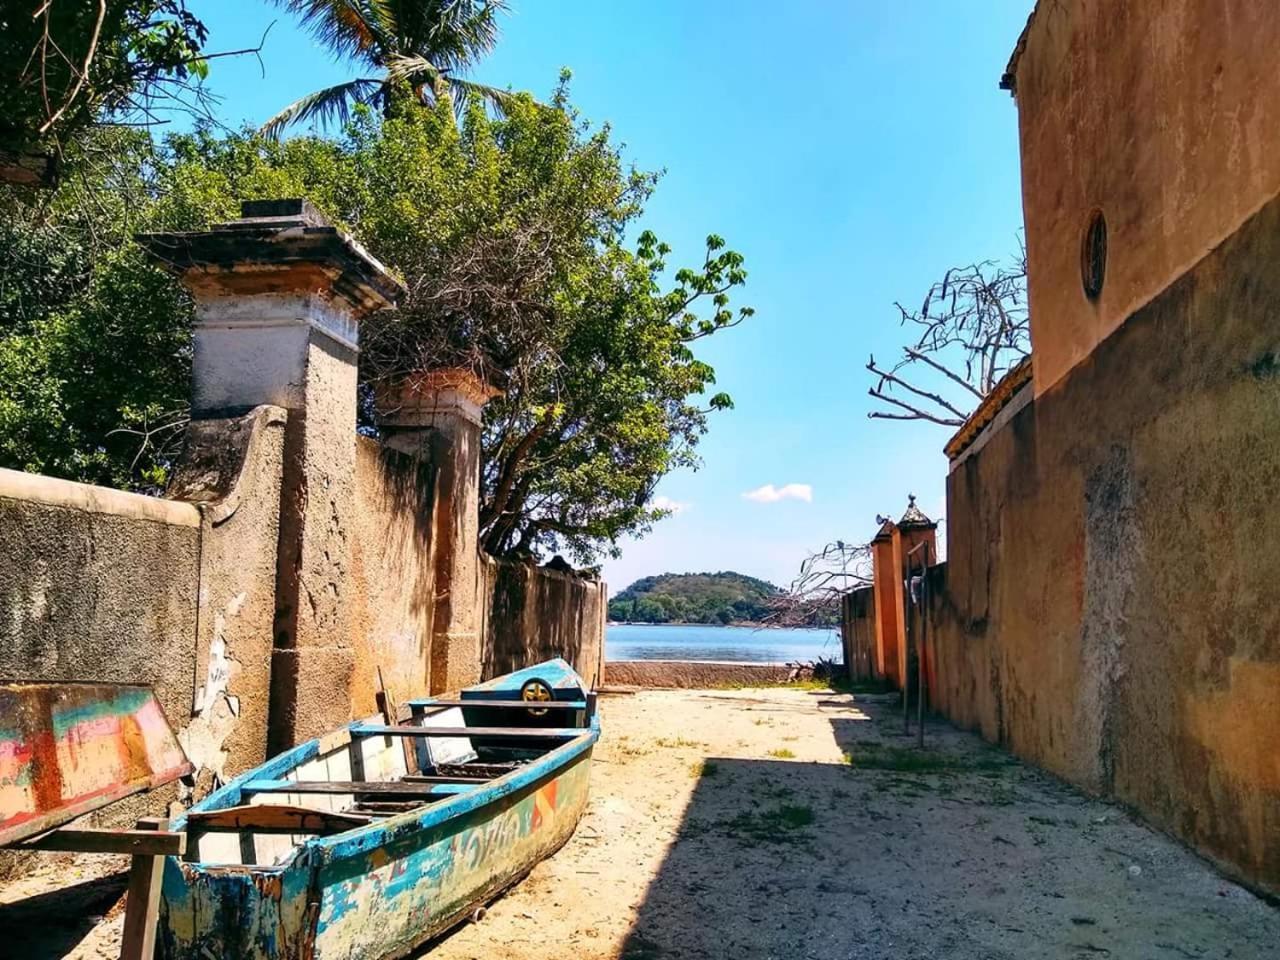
{"x":1093,"y":255}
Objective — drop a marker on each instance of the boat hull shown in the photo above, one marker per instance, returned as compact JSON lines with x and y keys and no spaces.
{"x":387,"y":901}
{"x":379,"y":891}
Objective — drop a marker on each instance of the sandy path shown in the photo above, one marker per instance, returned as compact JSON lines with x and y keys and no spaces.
{"x":704,"y":838}
{"x":729,"y":824}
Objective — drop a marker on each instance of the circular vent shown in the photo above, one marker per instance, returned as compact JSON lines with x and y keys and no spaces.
{"x":1093,"y":255}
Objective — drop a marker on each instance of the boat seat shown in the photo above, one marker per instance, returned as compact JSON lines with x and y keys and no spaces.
{"x":275,"y":818}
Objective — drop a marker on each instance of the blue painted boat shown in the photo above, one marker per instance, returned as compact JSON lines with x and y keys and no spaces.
{"x":372,"y":840}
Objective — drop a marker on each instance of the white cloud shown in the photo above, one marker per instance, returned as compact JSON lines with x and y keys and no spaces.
{"x":771,"y":494}
{"x":666,"y":503}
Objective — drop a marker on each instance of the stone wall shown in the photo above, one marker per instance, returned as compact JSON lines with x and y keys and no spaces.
{"x":535,"y":614}
{"x":392,"y":582}
{"x":694,"y":674}
{"x":1109,"y":608}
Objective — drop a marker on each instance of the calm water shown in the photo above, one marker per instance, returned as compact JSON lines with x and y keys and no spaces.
{"x":638,"y":641}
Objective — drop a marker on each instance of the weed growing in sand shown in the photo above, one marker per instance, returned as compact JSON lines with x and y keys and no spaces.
{"x":772,"y":791}
{"x":705,"y":768}
{"x":782,"y":753}
{"x":784,"y":823}
{"x":675,"y":742}
{"x":836,"y":685}
{"x":873,"y":755}
{"x":628,"y":749}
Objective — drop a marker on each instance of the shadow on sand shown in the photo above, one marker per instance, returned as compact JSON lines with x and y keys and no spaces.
{"x":49,"y":925}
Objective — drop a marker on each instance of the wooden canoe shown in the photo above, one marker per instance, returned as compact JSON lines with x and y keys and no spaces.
{"x":353,"y":846}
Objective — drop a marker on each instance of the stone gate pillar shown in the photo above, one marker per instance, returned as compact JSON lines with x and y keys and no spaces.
{"x":435,"y":415}
{"x":279,"y":297}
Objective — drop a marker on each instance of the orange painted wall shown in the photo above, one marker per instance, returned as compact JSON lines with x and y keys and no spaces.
{"x":1164,"y":114}
{"x":891,"y":648}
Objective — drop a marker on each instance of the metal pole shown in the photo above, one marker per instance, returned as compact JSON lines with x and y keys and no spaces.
{"x":906,"y":657}
{"x":920,"y":647}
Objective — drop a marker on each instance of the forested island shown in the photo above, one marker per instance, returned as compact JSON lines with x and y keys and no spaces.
{"x":714,"y":598}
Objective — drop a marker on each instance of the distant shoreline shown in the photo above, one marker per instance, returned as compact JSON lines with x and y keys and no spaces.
{"x":685,"y":623}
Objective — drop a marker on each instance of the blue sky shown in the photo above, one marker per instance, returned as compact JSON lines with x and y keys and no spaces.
{"x":851,"y":151}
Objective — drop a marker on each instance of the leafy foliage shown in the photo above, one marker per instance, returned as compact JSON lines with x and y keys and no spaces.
{"x":94,"y":341}
{"x":62,"y":62}
{"x":724,"y":597}
{"x":511,"y":234}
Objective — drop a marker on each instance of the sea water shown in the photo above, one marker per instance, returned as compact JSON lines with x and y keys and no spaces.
{"x":642,"y":641}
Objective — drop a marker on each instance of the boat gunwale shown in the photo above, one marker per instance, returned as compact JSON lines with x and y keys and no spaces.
{"x":360,"y":839}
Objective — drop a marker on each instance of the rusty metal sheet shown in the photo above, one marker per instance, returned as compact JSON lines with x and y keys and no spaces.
{"x":67,"y":749}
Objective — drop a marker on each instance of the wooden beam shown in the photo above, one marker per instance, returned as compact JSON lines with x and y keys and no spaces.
{"x":275,"y":818}
{"x":142,"y":904}
{"x":388,"y":788}
{"x":151,"y":843}
{"x":489,"y":733}
{"x":503,"y":704}
{"x":435,"y":778}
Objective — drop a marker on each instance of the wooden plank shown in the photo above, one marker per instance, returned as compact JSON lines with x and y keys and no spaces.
{"x":277,"y":818}
{"x":152,"y":843}
{"x":142,"y":906}
{"x":492,"y":733}
{"x":389,"y":788}
{"x":503,"y":704}
{"x":390,"y":716}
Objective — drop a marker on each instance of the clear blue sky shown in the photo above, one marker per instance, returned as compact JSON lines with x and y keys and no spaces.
{"x":852,"y":151}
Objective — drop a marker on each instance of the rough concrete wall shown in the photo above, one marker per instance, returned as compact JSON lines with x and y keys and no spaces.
{"x":535,"y":614}
{"x":391,"y":582}
{"x":1111,"y":609}
{"x":1163,"y":115}
{"x":96,"y":584}
{"x":693,"y":675}
{"x":313,"y":664}
{"x":231,"y":470}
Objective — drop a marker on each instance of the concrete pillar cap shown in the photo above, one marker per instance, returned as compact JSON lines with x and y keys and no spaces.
{"x":276,"y":247}
{"x":419,"y":399}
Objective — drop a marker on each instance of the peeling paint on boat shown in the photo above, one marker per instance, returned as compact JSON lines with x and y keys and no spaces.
{"x":381,"y":890}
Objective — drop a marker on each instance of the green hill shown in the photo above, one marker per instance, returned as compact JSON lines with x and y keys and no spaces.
{"x":724,"y":597}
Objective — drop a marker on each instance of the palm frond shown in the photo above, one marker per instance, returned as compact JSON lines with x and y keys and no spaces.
{"x":355,"y":29}
{"x":501,"y":100}
{"x":453,"y":34}
{"x":331,"y":105}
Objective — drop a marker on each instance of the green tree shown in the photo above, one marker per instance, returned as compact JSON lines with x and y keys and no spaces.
{"x":648,"y":610}
{"x":414,"y":45}
{"x":65,"y":63}
{"x":94,"y":341}
{"x":511,"y":233}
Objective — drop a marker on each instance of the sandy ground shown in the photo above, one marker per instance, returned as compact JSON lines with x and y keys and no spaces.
{"x":784,"y":823}
{"x":731,"y":824}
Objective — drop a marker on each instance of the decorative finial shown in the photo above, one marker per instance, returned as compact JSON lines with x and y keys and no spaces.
{"x":914,"y":517}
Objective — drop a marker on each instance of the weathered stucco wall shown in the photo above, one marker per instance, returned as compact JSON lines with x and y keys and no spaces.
{"x":535,"y":614}
{"x":1163,"y":115}
{"x":231,"y":471}
{"x":1109,"y":608}
{"x":96,"y":584}
{"x":393,"y":595}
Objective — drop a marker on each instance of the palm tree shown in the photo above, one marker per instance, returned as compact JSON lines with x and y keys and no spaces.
{"x":422,"y":43}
